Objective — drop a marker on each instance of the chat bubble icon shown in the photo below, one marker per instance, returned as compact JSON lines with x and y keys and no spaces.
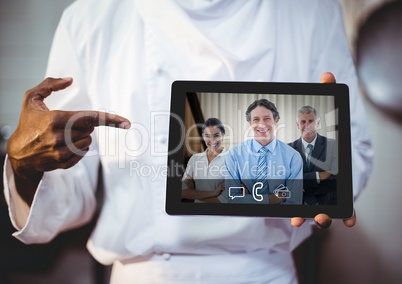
{"x":236,"y":192}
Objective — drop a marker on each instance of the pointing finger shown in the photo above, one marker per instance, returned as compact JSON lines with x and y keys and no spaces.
{"x":88,"y":119}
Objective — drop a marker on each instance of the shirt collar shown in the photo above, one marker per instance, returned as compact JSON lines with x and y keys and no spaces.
{"x":223,"y":153}
{"x":255,"y":146}
{"x":306,"y":143}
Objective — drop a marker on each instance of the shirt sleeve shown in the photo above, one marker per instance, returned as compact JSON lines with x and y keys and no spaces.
{"x":188,"y":174}
{"x":64,"y":198}
{"x":317,"y":176}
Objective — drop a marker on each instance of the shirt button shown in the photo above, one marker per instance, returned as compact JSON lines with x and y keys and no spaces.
{"x":160,"y":71}
{"x":162,"y":139}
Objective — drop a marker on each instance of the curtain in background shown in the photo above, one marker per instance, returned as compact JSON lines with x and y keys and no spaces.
{"x":231,"y":109}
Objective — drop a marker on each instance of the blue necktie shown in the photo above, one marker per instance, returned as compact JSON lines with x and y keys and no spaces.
{"x":309,"y":150}
{"x":262,"y":170}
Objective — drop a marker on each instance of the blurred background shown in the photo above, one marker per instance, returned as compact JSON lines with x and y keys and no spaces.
{"x":370,"y":252}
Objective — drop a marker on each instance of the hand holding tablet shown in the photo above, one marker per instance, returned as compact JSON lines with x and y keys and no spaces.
{"x":262,"y":127}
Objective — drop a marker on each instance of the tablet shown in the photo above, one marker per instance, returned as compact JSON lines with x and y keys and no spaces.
{"x":232,"y":121}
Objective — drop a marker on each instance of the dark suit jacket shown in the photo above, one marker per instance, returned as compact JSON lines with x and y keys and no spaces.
{"x":323,"y":158}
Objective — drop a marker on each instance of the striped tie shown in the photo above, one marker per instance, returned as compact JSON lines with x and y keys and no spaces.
{"x":262,"y":170}
{"x":309,"y":150}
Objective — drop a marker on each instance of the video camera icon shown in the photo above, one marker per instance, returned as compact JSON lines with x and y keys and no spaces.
{"x":282,"y":191}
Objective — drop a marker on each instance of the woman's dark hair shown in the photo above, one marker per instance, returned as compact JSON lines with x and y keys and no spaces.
{"x":265,"y":103}
{"x":212,"y":121}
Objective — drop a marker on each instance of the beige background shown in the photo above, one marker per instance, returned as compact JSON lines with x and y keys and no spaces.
{"x":371,"y":252}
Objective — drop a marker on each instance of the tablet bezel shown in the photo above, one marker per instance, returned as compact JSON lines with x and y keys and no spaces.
{"x":340,"y":92}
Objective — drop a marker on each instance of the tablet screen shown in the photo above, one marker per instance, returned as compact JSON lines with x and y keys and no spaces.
{"x":259,"y":149}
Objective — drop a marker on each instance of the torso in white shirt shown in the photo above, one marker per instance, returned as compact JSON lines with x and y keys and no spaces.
{"x":124,"y":55}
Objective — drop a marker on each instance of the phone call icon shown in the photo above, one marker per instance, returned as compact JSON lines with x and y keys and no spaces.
{"x":257,"y":196}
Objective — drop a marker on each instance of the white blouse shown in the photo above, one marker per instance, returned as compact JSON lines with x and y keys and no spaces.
{"x":206,"y":175}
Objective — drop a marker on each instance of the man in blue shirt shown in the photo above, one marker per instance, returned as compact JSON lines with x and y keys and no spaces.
{"x":264,"y":169}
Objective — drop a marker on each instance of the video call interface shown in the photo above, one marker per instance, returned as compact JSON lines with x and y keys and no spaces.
{"x":260,"y":148}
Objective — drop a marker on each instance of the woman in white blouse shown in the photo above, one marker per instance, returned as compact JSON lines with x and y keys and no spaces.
{"x":203,"y":180}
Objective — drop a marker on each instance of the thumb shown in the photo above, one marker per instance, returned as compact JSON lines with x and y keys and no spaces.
{"x":35,"y":96}
{"x":327,"y":77}
{"x":350,"y":222}
{"x":49,"y":85}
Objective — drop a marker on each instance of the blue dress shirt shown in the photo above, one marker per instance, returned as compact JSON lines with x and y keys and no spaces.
{"x":285,"y":167}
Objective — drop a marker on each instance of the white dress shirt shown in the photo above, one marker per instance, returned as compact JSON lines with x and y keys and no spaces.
{"x":123,"y":56}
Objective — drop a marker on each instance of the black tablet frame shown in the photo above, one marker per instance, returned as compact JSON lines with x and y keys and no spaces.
{"x":340,"y":92}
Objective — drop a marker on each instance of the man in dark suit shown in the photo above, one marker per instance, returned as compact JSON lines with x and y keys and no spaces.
{"x":319,"y":155}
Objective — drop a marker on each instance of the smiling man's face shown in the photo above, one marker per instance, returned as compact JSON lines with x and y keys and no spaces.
{"x":308,"y":124}
{"x":263,"y":124}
